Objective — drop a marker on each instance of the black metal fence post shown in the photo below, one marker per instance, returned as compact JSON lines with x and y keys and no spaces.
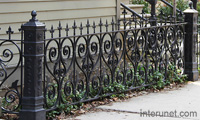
{"x":32,"y":101}
{"x":189,"y":45}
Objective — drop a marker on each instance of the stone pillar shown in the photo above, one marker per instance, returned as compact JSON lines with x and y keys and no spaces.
{"x":190,"y":43}
{"x":33,"y":100}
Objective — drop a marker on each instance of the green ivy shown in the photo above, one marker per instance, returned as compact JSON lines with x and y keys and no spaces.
{"x":173,"y":75}
{"x":159,"y":77}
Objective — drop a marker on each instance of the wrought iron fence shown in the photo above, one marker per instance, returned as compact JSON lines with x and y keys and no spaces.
{"x":82,"y":66}
{"x":79,"y":67}
{"x":11,"y":72}
{"x":82,"y":62}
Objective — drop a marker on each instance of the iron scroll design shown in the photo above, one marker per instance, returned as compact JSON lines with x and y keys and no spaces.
{"x":11,"y":72}
{"x":82,"y":61}
{"x":80,"y":65}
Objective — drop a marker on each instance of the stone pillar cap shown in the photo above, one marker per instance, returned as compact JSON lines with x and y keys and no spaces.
{"x":190,"y":11}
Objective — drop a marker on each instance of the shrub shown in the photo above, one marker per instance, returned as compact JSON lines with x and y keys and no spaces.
{"x":181,"y":5}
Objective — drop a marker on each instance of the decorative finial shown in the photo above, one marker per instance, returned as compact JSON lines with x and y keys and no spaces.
{"x":191,"y":5}
{"x":143,"y":12}
{"x":33,"y":14}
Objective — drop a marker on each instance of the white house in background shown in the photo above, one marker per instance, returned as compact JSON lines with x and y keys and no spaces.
{"x":16,"y":12}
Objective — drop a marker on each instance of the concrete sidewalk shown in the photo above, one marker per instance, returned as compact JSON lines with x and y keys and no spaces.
{"x":184,"y":101}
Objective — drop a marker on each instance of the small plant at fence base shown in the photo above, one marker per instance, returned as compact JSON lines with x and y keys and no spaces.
{"x":118,"y":89}
{"x":159,"y":78}
{"x":64,"y":108}
{"x":174,"y":75}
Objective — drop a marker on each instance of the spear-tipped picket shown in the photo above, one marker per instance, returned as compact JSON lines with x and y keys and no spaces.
{"x":142,"y":19}
{"x":161,"y":16}
{"x":59,"y":28}
{"x":134,"y":19}
{"x":100,"y":25}
{"x":88,"y":26}
{"x":81,"y":28}
{"x":124,"y":13}
{"x":180,"y":16}
{"x":9,"y":32}
{"x":94,"y":26}
{"x":67,"y":30}
{"x":143,"y":13}
{"x":74,"y":27}
{"x":51,"y":31}
{"x":113,"y":24}
{"x":106,"y":25}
